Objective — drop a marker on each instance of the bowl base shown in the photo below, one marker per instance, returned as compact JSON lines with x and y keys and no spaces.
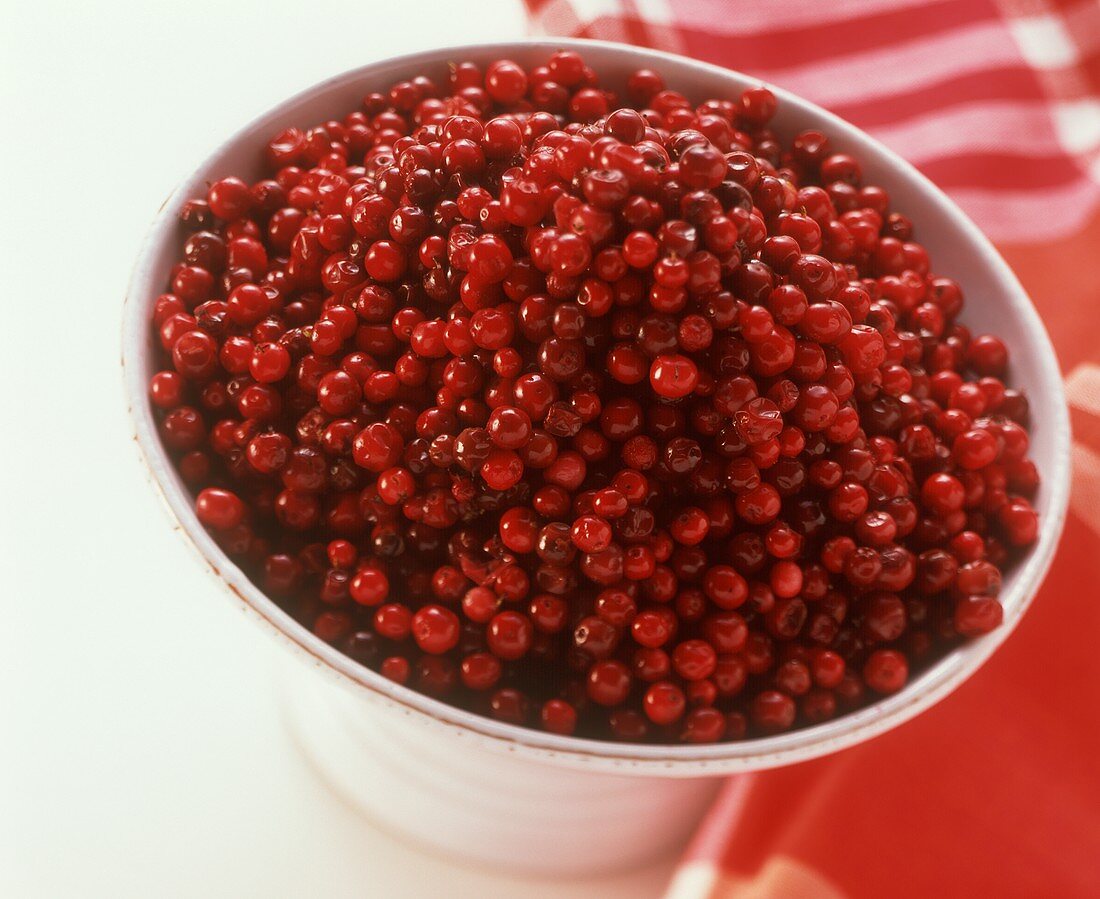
{"x":478,"y":806}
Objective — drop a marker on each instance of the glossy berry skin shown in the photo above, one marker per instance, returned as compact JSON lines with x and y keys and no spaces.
{"x":591,"y":534}
{"x":886,"y":671}
{"x":219,"y":509}
{"x":436,"y":629}
{"x":369,"y":586}
{"x":633,"y":422}
{"x":664,"y":703}
{"x":673,"y":376}
{"x":608,"y":683}
{"x":509,"y":635}
{"x":558,"y":717}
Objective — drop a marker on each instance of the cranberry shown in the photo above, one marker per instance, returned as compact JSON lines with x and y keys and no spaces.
{"x":480,"y":670}
{"x":436,"y":629}
{"x":558,"y":717}
{"x":591,"y":534}
{"x":694,"y":660}
{"x":509,"y":635}
{"x":378,"y":447}
{"x":229,"y":198}
{"x":664,"y":703}
{"x":608,"y":683}
{"x":673,"y":376}
{"x":369,"y":587}
{"x":773,"y":710}
{"x":886,"y":671}
{"x":661,"y":428}
{"x":502,"y":469}
{"x":219,"y":509}
{"x":976,"y":615}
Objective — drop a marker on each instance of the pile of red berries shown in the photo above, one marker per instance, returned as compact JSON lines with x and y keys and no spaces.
{"x":622,"y":420}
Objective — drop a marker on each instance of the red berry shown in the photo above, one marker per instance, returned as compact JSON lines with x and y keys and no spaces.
{"x":773,"y":711}
{"x":435,"y":629}
{"x":220,"y":510}
{"x":502,"y":469}
{"x":369,"y":586}
{"x":664,"y":703}
{"x":645,"y":394}
{"x":591,"y":534}
{"x":509,"y":635}
{"x":673,"y":376}
{"x":976,"y":615}
{"x":608,"y":683}
{"x":885,"y":671}
{"x":558,"y":717}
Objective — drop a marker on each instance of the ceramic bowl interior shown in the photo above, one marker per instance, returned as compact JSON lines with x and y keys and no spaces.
{"x":995,"y":302}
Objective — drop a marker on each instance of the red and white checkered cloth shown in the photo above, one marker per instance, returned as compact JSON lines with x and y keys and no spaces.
{"x":996,"y":791}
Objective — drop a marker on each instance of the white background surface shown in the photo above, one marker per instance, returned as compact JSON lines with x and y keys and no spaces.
{"x":141,"y":750}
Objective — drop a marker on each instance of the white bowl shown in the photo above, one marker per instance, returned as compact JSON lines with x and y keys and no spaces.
{"x":565,"y":803}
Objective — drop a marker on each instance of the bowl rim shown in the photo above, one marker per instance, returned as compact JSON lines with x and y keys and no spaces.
{"x":930,"y":686}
